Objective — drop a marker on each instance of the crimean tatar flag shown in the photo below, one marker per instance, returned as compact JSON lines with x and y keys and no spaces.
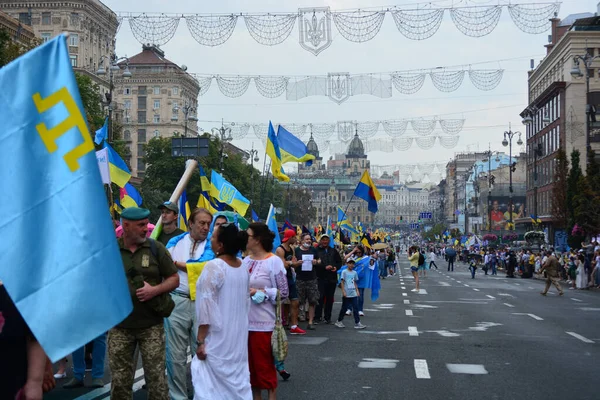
{"x":59,"y":240}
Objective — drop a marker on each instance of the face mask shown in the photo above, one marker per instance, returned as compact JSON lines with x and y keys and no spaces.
{"x":259,"y":297}
{"x":305,"y":245}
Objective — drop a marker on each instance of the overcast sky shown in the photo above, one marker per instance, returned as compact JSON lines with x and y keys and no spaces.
{"x":487,"y":114}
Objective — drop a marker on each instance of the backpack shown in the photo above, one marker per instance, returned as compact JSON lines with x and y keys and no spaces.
{"x":421,"y":259}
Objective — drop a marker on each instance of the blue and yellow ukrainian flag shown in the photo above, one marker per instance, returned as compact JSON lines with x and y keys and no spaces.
{"x":119,"y":172}
{"x":49,"y":175}
{"x":129,"y":196}
{"x":367,"y":191}
{"x":275,"y":154}
{"x":291,"y":148}
{"x":226,"y":193}
{"x":344,"y":222}
{"x":272,"y":224}
{"x":184,"y":212}
{"x":205,"y":200}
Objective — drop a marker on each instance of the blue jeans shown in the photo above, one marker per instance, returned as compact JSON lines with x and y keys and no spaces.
{"x":98,"y":356}
{"x":361,"y":300}
{"x":494,"y":268}
{"x":348,"y":302}
{"x":382,"y":269}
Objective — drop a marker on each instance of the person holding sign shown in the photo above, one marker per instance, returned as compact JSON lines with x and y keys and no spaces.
{"x":306,"y":277}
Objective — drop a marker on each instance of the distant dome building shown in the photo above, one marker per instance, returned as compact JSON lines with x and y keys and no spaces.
{"x":356,"y":148}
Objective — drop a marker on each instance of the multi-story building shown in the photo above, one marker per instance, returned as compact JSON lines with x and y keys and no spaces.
{"x":158,"y":100}
{"x":18,"y":32}
{"x":402,"y":203}
{"x":556,"y":115}
{"x":92,"y":26}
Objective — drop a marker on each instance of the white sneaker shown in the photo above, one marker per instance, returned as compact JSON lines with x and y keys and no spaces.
{"x":340,"y":324}
{"x":414,"y":290}
{"x":360,"y":313}
{"x":348,"y":312}
{"x":359,"y":326}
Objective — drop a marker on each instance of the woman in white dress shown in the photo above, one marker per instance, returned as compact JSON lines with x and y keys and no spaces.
{"x":220,"y":368}
{"x":581,"y":280}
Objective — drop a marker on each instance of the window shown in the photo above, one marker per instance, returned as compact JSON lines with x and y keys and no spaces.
{"x":156,"y":133}
{"x":73,"y":39}
{"x":75,"y":19}
{"x":25,"y":18}
{"x":141,"y":165}
{"x":141,"y":102}
{"x":156,"y":119}
{"x":175,"y":91}
{"x":127,"y":91}
{"x":73,"y":60}
{"x":142,"y":90}
{"x":142,"y":135}
{"x":156,"y":90}
{"x":126,"y":135}
{"x":46,"y":18}
{"x":142,"y":117}
{"x":140,"y":150}
{"x":127,"y":104}
{"x":156,"y":104}
{"x":45,"y":36}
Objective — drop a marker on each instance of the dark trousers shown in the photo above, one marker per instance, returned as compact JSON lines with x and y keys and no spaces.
{"x":451,"y":263}
{"x":346,"y":303}
{"x":432,"y":263}
{"x":326,"y":292}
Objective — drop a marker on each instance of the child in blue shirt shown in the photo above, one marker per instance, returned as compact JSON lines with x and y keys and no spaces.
{"x":350,"y":295}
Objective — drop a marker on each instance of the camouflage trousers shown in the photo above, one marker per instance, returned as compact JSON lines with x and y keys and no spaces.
{"x":121,"y":348}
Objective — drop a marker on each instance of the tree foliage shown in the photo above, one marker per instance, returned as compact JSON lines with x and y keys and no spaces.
{"x":586,"y":200}
{"x":9,"y":49}
{"x":298,"y":208}
{"x":559,"y":190}
{"x":437,"y":230}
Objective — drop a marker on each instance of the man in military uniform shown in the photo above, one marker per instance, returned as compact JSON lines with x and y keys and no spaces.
{"x":552,"y":268}
{"x":151,"y":275}
{"x":169,"y":217}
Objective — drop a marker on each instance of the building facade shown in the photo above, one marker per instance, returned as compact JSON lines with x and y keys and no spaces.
{"x":556,"y":116}
{"x":158,"y":100}
{"x":18,"y":32}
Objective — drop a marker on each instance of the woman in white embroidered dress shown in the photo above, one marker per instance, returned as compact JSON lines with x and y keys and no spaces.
{"x":220,"y":368}
{"x":267,"y":275}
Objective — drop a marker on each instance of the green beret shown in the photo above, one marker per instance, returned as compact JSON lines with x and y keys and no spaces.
{"x":135,"y":213}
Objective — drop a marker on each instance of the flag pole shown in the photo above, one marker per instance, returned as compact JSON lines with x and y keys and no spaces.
{"x":190,"y":167}
{"x":348,"y":206}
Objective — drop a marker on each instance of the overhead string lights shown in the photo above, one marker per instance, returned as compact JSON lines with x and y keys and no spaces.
{"x":411,"y":172}
{"x":339,"y":87}
{"x":357,"y":25}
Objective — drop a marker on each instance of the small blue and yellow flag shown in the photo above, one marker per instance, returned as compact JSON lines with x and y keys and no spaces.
{"x":367,"y":191}
{"x":272,"y":224}
{"x":129,"y":196}
{"x":205,"y":200}
{"x":292,"y":149}
{"x":49,"y":175}
{"x":226,"y":193}
{"x":119,"y":172}
{"x":275,"y":154}
{"x":184,"y":212}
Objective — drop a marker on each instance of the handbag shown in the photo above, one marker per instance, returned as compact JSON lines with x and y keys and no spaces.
{"x":279,"y":341}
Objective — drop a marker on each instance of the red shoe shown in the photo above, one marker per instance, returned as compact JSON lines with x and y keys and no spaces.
{"x":297,"y":331}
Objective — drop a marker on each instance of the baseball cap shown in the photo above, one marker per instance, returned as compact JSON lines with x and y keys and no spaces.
{"x":288,"y":234}
{"x":169,"y":205}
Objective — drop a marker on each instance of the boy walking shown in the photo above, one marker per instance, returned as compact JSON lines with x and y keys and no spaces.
{"x":350,"y":296}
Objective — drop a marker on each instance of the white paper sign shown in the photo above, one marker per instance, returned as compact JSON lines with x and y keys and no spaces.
{"x":307,"y":260}
{"x":102,"y":157}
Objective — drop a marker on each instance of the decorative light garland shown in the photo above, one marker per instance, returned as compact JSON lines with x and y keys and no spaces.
{"x":357,"y":25}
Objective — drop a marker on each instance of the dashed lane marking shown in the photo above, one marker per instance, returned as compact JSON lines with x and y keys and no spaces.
{"x":412,"y":331}
{"x":582,"y":338}
{"x":491,"y":297}
{"x":406,"y":301}
{"x":421,"y":369}
{"x":409,"y":313}
{"x":508,"y":305}
{"x":475,"y":289}
{"x":469,"y":369}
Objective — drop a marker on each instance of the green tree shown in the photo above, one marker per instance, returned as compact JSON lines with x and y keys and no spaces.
{"x":9,"y":49}
{"x":559,"y":190}
{"x":586,"y":201}
{"x":436,"y":230}
{"x":297,"y":206}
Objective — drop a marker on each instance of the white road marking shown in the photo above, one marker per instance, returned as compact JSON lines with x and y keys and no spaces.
{"x":406,"y":301}
{"x":574,"y":299}
{"x":470,"y":369}
{"x":466,"y":285}
{"x":445,"y":284}
{"x":458,"y":282}
{"x":531,"y":315}
{"x":518,"y":284}
{"x":377,"y":363}
{"x":404,"y":294}
{"x":477,"y":290}
{"x":421,"y":369}
{"x":491,"y":297}
{"x":403,"y":287}
{"x":422,"y":291}
{"x":409,"y":313}
{"x":412,"y":331}
{"x":508,"y":305}
{"x":483,"y":326}
{"x":445,"y":333}
{"x":582,"y":338}
{"x":506,"y":294}
{"x":392,"y":339}
{"x":423,"y":306}
{"x":589,"y":309}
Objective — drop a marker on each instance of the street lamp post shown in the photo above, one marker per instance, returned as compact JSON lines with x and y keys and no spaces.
{"x":114,"y":66}
{"x":508,"y":137}
{"x":187,"y":110}
{"x":253,"y":159}
{"x":224,"y":134}
{"x":587,"y":60}
{"x":491,"y":180}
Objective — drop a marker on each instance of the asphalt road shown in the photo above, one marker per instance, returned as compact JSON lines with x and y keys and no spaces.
{"x":459,"y":338}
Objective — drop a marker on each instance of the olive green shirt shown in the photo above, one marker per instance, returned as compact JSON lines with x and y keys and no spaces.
{"x":154,"y":270}
{"x":165,"y":237}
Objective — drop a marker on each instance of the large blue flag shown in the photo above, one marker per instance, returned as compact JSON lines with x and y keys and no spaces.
{"x":272,"y":224}
{"x":60,"y":260}
{"x":102,"y":133}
